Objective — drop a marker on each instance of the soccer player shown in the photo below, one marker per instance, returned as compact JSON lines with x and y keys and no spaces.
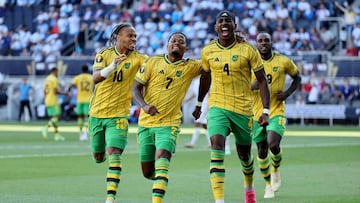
{"x":51,"y":92}
{"x":277,"y":67}
{"x":114,"y":71}
{"x":159,"y":88}
{"x":84,"y":84}
{"x":231,"y":64}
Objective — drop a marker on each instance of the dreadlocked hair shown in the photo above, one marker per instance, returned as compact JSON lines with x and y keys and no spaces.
{"x":115,"y":32}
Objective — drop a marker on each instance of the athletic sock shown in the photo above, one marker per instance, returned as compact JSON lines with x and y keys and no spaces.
{"x":217,"y":173}
{"x":113,"y":176}
{"x":264,"y":165}
{"x":160,"y":180}
{"x":275,"y":160}
{"x":80,"y":124}
{"x":248,"y":171}
{"x":54,"y":123}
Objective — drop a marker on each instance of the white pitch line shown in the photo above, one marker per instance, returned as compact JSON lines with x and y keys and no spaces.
{"x":132,"y":150}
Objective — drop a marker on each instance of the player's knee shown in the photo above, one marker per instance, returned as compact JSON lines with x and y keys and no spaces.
{"x":149,"y":175}
{"x":99,"y":157}
{"x":274,"y":146}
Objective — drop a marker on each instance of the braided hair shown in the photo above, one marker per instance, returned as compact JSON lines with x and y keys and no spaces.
{"x":115,"y":32}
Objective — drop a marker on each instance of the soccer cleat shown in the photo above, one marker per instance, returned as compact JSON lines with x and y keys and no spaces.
{"x":250,"y":196}
{"x":109,"y":201}
{"x":83,"y":136}
{"x":44,"y":133}
{"x":269,"y":193}
{"x":227,"y":151}
{"x":275,"y":180}
{"x":58,"y":137}
{"x":189,"y":146}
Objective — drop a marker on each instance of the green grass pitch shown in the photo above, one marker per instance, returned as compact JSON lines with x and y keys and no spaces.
{"x":320,"y":164}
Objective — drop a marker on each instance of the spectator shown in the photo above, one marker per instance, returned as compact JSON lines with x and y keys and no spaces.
{"x":349,"y":16}
{"x":356,"y":36}
{"x":348,"y":91}
{"x":351,"y":50}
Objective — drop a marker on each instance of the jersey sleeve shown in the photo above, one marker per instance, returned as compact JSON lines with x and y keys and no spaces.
{"x":255,"y":59}
{"x":143,"y":75}
{"x":291,"y":68}
{"x":204,"y":61}
{"x":99,"y":62}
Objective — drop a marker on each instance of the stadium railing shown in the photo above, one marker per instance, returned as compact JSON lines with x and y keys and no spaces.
{"x":316,"y":111}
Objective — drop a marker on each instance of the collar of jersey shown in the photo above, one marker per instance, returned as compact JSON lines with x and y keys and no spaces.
{"x":169,"y":62}
{"x":117,"y":52}
{"x":271,"y":58}
{"x":228,"y":47}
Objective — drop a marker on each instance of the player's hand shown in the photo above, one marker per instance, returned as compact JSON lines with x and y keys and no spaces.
{"x":282,"y":96}
{"x":197,"y":112}
{"x":150,"y":109}
{"x":264,"y":120}
{"x":119,"y":59}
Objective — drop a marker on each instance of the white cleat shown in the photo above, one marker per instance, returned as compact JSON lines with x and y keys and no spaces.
{"x":83,"y":136}
{"x":275,"y":180}
{"x":227,"y":150}
{"x":110,"y":201}
{"x":269,"y":192}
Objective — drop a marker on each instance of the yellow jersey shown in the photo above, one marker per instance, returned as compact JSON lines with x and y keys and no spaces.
{"x":51,"y":85}
{"x":165,"y":84}
{"x":276,"y":69}
{"x":112,"y":97}
{"x":231,"y":68}
{"x":84,"y":85}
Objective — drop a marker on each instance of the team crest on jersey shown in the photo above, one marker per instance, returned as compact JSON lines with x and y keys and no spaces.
{"x":142,"y":69}
{"x":275,"y":69}
{"x":216,"y":59}
{"x":178,"y":73}
{"x":99,"y":59}
{"x":161,"y":72}
{"x":235,"y":57}
{"x":127,"y":65}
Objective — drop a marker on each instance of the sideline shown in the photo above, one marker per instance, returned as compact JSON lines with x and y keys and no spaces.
{"x":186,"y":130}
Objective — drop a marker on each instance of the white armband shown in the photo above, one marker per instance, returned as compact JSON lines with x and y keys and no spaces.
{"x":266,"y":111}
{"x":105,"y":72}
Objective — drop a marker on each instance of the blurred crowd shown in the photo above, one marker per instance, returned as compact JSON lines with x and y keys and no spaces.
{"x":87,"y":24}
{"x":319,"y":90}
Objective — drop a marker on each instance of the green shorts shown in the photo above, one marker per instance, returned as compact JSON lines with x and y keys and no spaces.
{"x":153,"y":139}
{"x":53,"y":110}
{"x":82,"y":109}
{"x":108,"y":132}
{"x":221,"y":121}
{"x":276,"y":124}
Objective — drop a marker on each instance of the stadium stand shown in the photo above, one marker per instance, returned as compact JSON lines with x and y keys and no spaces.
{"x":38,"y":35}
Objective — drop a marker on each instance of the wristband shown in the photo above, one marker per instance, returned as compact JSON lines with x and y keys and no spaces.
{"x":107,"y":70}
{"x":199,"y":104}
{"x":266,"y":111}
